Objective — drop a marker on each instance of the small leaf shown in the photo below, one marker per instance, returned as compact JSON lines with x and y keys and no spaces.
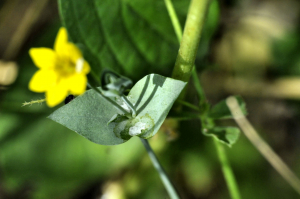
{"x":101,"y":120}
{"x":226,"y":135}
{"x":221,"y":110}
{"x":114,"y":85}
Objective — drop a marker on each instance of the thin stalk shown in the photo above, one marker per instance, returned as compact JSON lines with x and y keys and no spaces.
{"x":40,"y":101}
{"x":226,"y":168}
{"x":227,"y":171}
{"x":162,"y":174}
{"x":261,"y":145}
{"x":198,"y":86}
{"x":129,"y":104}
{"x":187,"y":104}
{"x":174,"y":19}
{"x":190,"y":40}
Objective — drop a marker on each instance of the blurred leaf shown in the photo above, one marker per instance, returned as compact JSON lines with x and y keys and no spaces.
{"x":286,"y":52}
{"x":89,"y":114}
{"x":226,"y":135}
{"x":221,"y":110}
{"x":51,"y":158}
{"x":130,"y":36}
{"x":210,"y":26}
{"x":197,"y":172}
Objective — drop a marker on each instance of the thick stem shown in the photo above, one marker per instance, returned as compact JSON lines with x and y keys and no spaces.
{"x":227,"y":171}
{"x":190,"y":40}
{"x":162,"y":174}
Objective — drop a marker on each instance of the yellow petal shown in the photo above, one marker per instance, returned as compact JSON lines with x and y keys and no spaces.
{"x":56,"y":94}
{"x":86,"y":68}
{"x":73,"y":52}
{"x":61,"y":41}
{"x":42,"y":80}
{"x":77,"y":83}
{"x":44,"y":58}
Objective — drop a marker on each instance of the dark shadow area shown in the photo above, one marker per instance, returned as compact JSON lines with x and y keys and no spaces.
{"x":143,"y":92}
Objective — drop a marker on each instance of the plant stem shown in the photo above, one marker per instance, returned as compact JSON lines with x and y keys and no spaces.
{"x":190,"y":39}
{"x":185,"y":64}
{"x":198,"y":86}
{"x":227,"y":171}
{"x":187,"y":104}
{"x":174,"y":19}
{"x":261,"y":145}
{"x":162,"y":174}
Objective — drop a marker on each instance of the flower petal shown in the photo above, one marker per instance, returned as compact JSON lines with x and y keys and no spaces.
{"x":42,"y":80}
{"x":61,"y":41}
{"x":56,"y":94}
{"x":86,"y":68}
{"x":77,"y":83}
{"x":44,"y":58}
{"x":73,"y":52}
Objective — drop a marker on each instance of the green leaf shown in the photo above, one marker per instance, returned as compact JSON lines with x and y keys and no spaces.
{"x":221,"y":110}
{"x":88,"y":116}
{"x":131,"y":37}
{"x":225,"y":135}
{"x":95,"y":118}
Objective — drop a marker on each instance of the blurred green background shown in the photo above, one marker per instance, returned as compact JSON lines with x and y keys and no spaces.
{"x":251,"y":48}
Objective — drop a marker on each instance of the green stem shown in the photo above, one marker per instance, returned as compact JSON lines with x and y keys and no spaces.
{"x":198,"y":86}
{"x":174,"y":19}
{"x":162,"y":174}
{"x":227,"y":171}
{"x":192,"y":106}
{"x":184,"y":67}
{"x":190,"y":39}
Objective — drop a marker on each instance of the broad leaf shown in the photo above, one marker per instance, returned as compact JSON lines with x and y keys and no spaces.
{"x":132,"y":37}
{"x":95,"y":118}
{"x":226,"y":135}
{"x":221,"y":110}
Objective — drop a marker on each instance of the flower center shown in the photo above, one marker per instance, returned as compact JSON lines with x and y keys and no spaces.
{"x":66,"y":67}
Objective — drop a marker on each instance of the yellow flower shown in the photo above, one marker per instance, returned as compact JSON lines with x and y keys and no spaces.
{"x":62,"y":71}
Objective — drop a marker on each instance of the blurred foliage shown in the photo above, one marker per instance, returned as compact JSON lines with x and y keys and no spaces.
{"x":286,"y":55}
{"x":40,"y":159}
